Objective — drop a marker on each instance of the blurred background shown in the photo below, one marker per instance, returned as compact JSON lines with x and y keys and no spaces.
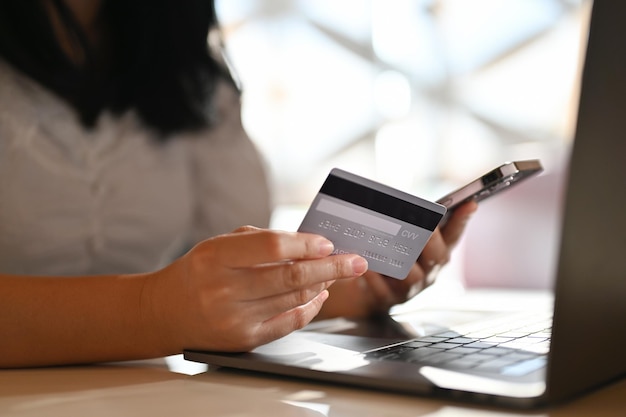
{"x":423,"y":95}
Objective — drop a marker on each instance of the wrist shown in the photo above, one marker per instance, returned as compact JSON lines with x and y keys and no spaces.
{"x":159,"y":312}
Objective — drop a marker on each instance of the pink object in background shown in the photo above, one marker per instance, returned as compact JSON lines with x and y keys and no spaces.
{"x":511,"y":241}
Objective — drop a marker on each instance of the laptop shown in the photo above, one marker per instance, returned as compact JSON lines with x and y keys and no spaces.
{"x":576,"y":342}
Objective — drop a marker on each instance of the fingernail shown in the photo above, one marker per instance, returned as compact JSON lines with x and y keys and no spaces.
{"x":323,"y":296}
{"x":359,"y":265}
{"x":326,"y":247}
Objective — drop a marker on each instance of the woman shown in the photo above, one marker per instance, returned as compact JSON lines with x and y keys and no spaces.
{"x":121,"y":148}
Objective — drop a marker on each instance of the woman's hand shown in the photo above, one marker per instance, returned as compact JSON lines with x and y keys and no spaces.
{"x":373,"y":293}
{"x":240,"y":290}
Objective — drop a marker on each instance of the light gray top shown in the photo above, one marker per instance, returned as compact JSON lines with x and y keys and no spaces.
{"x":112,"y":200}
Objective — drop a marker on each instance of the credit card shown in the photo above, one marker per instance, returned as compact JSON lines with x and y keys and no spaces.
{"x":386,"y":226}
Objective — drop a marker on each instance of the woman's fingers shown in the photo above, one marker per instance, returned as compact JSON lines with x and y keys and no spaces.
{"x":250,"y":246}
{"x":436,"y":252}
{"x":264,"y":309}
{"x":380,"y":292}
{"x":292,"y":276}
{"x":288,"y":321}
{"x":454,"y":228}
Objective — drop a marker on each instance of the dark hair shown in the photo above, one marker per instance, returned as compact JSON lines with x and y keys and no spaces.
{"x":159,"y":63}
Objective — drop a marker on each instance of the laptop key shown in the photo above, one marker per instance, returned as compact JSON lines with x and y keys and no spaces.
{"x":440,"y":358}
{"x":444,"y":345}
{"x":417,"y":355}
{"x":479,"y":345}
{"x":495,"y":351}
{"x":464,"y":350}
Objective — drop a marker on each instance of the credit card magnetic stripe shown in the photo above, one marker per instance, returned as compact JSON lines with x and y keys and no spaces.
{"x":380,"y":202}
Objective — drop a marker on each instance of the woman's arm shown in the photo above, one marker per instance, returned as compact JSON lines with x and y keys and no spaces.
{"x":232,"y":292}
{"x":61,"y":320}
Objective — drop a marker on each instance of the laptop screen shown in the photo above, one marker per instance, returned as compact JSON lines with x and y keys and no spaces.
{"x":590,"y":312}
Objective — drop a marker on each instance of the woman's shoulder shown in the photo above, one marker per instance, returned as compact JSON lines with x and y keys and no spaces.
{"x":14,"y":81}
{"x":20,"y":95}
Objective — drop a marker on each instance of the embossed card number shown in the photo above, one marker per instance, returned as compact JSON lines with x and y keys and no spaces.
{"x":385,"y":225}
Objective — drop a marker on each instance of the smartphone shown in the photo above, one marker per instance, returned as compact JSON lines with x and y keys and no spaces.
{"x":498,"y":179}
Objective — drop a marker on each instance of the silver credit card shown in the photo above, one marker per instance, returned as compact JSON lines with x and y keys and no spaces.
{"x":386,"y":226}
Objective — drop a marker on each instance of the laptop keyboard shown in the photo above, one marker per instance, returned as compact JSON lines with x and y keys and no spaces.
{"x":505,"y":347}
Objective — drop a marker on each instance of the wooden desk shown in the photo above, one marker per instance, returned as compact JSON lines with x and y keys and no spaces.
{"x":180,"y":388}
